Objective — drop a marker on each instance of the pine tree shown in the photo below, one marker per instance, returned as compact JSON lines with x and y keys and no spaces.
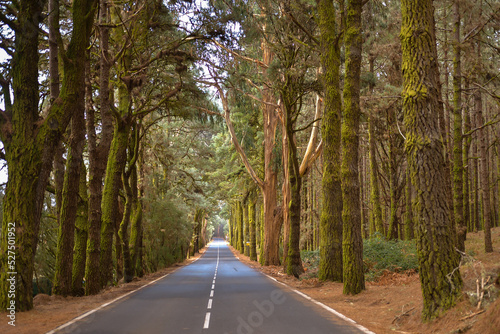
{"x":352,"y":245}
{"x":438,"y":262}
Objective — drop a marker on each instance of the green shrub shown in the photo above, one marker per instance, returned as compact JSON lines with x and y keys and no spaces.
{"x":310,"y":258}
{"x":393,"y":255}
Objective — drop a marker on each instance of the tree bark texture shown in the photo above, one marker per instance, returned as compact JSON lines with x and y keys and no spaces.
{"x":438,"y":262}
{"x":352,"y":244}
{"x":30,"y":143}
{"x":330,"y":248}
{"x":70,"y":199}
{"x":458,"y":163}
{"x":98,"y":155}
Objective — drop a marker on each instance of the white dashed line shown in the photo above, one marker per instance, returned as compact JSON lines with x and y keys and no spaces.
{"x":209,"y":306}
{"x":207,"y":320}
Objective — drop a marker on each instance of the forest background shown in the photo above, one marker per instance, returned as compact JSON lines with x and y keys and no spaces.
{"x":133,"y":132}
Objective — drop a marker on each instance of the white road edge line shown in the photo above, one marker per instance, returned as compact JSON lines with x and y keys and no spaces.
{"x":86,"y":314}
{"x":328,"y":308}
{"x":207,"y":321}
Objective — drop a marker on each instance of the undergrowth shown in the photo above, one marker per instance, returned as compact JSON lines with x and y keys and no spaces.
{"x":380,"y":255}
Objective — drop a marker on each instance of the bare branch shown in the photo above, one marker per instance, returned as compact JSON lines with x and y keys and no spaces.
{"x":252,"y":60}
{"x":236,"y":144}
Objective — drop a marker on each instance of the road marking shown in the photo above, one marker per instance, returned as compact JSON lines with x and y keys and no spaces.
{"x":86,"y":314}
{"x":212,"y":293}
{"x":213,"y":282}
{"x":213,"y":286}
{"x":209,"y":304}
{"x":328,"y":308}
{"x":207,"y":320}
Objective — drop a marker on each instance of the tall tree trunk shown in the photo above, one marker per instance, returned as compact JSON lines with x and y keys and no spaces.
{"x":30,"y":142}
{"x":112,"y":183}
{"x":130,"y":203}
{"x":294,"y":262}
{"x":240,"y":242}
{"x":467,"y":169}
{"x":330,"y":265}
{"x":81,"y":235}
{"x":136,"y":226}
{"x":70,"y":198}
{"x":246,"y":224}
{"x":409,"y":228}
{"x":352,"y":244}
{"x":458,"y":163}
{"x":392,"y":232}
{"x":251,"y":221}
{"x":483,"y":170}
{"x":438,"y":262}
{"x":98,"y":155}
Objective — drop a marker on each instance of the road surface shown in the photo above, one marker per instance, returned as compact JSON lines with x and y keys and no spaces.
{"x":215,"y":295}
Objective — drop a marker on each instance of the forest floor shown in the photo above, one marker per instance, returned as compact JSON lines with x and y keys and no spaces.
{"x":393,"y":304}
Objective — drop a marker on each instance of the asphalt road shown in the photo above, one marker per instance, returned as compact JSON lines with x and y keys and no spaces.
{"x":215,"y":295}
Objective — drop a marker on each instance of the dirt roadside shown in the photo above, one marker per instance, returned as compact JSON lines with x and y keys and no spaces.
{"x":50,"y":312}
{"x":391,"y":305}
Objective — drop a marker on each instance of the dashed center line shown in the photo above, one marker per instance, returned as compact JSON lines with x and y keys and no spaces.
{"x":210,"y":301}
{"x":207,"y":320}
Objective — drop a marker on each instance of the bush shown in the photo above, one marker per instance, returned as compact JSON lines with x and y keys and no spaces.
{"x":310,"y":258}
{"x":393,"y":255}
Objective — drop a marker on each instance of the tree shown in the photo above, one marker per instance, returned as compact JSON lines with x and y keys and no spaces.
{"x":352,"y":244}
{"x":458,"y":163}
{"x":98,"y":155}
{"x":330,"y":265}
{"x":438,"y":262}
{"x":30,"y":141}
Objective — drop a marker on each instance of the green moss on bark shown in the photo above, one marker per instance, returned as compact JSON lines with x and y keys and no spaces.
{"x":330,"y":265}
{"x":438,"y":262}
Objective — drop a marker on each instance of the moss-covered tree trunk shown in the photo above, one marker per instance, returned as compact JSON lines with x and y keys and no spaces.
{"x":438,"y":262}
{"x":409,"y":228}
{"x":30,"y":142}
{"x":136,"y":225}
{"x":246,"y":226}
{"x":129,"y":184}
{"x":294,"y":262}
{"x":458,"y":163}
{"x":352,"y":244}
{"x":81,"y":235}
{"x":377,"y":222}
{"x":98,"y":155}
{"x":241,"y":232}
{"x":70,"y":199}
{"x":393,"y":230}
{"x":253,"y":229}
{"x":112,"y":183}
{"x":330,"y":249}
